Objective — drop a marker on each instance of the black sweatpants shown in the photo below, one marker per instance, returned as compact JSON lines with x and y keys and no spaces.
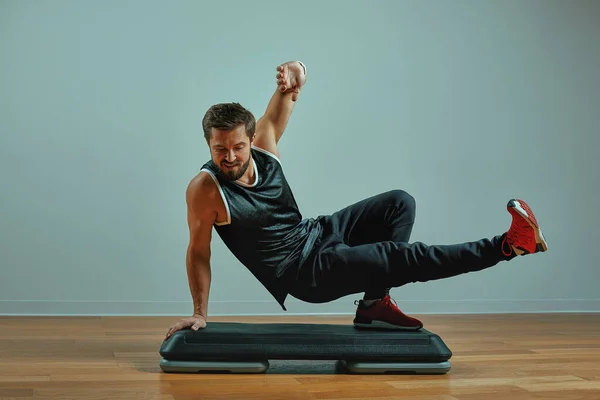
{"x":366,"y":248}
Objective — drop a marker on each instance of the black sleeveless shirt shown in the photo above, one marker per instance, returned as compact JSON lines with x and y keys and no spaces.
{"x":264,"y":229}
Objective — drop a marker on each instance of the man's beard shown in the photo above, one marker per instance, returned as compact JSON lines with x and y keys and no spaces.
{"x":233,"y":175}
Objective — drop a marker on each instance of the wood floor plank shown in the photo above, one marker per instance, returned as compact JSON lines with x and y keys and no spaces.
{"x":582,"y":384}
{"x":511,"y":356}
{"x":92,"y":396}
{"x":4,"y":393}
{"x":548,"y":395}
{"x":245,"y":396}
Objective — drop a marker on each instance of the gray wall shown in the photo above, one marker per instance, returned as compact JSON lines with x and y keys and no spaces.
{"x":464,"y":104}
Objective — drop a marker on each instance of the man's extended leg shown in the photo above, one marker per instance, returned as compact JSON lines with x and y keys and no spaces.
{"x":339,"y":269}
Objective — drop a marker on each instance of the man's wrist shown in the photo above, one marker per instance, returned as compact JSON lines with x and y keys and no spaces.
{"x":201,"y":311}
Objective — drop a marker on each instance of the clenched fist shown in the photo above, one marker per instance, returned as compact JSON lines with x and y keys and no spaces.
{"x":291,"y":76}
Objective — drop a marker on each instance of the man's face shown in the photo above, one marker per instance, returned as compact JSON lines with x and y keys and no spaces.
{"x":230,"y":151}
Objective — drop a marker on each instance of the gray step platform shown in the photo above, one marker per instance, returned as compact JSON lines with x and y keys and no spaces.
{"x":247,"y":348}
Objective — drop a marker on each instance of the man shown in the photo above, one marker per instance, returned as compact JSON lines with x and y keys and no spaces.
{"x":242,"y":193}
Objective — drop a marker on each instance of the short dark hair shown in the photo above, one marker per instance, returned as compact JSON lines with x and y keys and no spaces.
{"x":227,"y":116}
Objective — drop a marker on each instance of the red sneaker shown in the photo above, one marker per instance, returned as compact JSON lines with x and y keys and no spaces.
{"x":383,"y":314}
{"x":524,"y":235}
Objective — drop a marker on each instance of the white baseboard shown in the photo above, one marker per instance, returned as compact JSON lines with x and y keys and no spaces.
{"x":295,"y":307}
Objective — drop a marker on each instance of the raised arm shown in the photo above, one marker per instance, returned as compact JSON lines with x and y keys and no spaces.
{"x":291,"y":77}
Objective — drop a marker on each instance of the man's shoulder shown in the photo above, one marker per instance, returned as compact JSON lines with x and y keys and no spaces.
{"x":202,"y":190}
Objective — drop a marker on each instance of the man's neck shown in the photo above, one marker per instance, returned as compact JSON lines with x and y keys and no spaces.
{"x":249,"y":177}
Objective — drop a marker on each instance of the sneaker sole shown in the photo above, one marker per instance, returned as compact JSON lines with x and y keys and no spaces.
{"x":385,"y":325}
{"x":521,"y":208}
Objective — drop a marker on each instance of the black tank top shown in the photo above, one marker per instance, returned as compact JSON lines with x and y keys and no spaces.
{"x":264,"y":229}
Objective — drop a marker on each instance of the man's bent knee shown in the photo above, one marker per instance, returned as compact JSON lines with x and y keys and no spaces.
{"x":405,"y":200}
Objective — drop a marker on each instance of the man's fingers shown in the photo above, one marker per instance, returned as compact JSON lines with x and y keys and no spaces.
{"x":173,"y":329}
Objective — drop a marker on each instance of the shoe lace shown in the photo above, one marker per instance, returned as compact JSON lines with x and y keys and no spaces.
{"x":389,"y":302}
{"x":386,"y":300}
{"x":517,"y":234}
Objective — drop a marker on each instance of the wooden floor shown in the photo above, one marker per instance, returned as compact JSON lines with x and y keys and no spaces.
{"x":496,"y":357}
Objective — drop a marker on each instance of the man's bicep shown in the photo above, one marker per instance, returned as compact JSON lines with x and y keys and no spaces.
{"x":200,"y":235}
{"x":201,"y":217}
